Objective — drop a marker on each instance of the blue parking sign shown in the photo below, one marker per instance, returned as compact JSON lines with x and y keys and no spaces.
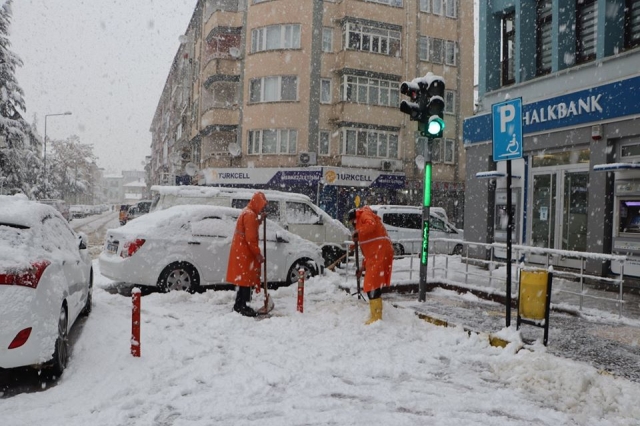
{"x":507,"y":130}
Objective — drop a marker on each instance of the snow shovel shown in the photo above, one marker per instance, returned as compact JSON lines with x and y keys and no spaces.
{"x":357,"y":249}
{"x":268,"y":303}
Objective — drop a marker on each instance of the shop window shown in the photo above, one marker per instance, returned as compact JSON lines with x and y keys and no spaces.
{"x":630,"y":152}
{"x":632,"y":24}
{"x":586,"y":30}
{"x":629,"y":216}
{"x":543,"y":37}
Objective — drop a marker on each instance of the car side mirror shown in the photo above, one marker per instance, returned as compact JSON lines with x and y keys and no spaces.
{"x":281,"y":239}
{"x":82,"y":241}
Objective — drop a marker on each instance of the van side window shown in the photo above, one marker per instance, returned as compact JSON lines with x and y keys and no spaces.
{"x":437,"y":225}
{"x":301,"y":213}
{"x":403,"y":220}
{"x":273,"y":207}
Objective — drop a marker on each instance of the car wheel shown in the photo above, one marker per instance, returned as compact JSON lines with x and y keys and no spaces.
{"x":61,"y":353}
{"x":307,"y":265}
{"x":398,"y":250}
{"x":88,"y":304}
{"x":179,"y":276}
{"x":331,"y":254}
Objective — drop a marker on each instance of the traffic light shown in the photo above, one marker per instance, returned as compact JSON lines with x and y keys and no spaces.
{"x":426,"y":105}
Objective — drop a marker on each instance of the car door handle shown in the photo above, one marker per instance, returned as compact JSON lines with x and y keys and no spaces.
{"x":196,"y":243}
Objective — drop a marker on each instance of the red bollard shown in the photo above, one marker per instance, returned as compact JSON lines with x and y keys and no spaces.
{"x":135,"y":322}
{"x":300,"y":290}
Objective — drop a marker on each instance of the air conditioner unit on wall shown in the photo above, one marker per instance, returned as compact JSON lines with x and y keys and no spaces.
{"x":386,"y":165}
{"x":307,"y":159}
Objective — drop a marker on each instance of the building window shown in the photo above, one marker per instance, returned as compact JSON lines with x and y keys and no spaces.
{"x":425,"y":6}
{"x":327,"y":39}
{"x":397,"y":3}
{"x":543,"y":37}
{"x":450,"y":53}
{"x":325,"y":91}
{"x":436,"y":53}
{"x":272,"y":141}
{"x":274,"y":89}
{"x":632,"y":24}
{"x":508,"y":49}
{"x":586,"y":30}
{"x":324,"y":143}
{"x":369,"y":143}
{"x":449,"y":151}
{"x":371,"y":91}
{"x":451,"y":8}
{"x":423,"y":48}
{"x":371,"y":39}
{"x":436,"y":8}
{"x":275,"y":37}
{"x":449,"y":102}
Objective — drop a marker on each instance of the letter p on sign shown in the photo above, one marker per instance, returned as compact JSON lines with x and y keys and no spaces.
{"x":507,"y":114}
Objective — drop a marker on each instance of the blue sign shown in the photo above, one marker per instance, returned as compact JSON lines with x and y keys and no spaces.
{"x":507,"y":130}
{"x":592,"y":105}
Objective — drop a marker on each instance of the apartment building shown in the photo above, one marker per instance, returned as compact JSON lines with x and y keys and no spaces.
{"x":303,"y":96}
{"x":576,"y":66}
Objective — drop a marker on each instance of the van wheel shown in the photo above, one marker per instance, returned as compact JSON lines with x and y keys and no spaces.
{"x":309,"y":270}
{"x":398,"y":250}
{"x":457,"y":249}
{"x":179,"y":276}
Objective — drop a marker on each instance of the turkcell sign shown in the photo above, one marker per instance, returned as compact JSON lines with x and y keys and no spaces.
{"x":507,"y":130}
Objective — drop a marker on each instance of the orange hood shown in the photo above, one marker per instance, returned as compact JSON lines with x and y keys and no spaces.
{"x":258,"y":202}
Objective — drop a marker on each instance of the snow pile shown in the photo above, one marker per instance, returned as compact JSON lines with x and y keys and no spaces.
{"x":202,"y":364}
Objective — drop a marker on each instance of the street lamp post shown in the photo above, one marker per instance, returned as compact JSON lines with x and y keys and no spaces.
{"x":44,"y":157}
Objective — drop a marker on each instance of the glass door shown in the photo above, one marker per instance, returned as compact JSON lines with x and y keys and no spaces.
{"x":543,"y":219}
{"x":559,"y":204}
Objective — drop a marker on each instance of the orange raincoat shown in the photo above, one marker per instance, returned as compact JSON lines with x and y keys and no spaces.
{"x":376,"y":248}
{"x":244,"y":266}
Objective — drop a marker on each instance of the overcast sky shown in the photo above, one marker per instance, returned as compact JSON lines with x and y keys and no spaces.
{"x":106,"y":61}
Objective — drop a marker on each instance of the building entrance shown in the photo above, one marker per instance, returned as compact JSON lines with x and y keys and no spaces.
{"x":558,"y":212}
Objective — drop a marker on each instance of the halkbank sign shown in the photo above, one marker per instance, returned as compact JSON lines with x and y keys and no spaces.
{"x":589,"y":106}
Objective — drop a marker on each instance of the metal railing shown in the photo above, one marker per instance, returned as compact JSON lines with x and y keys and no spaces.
{"x":482,"y":272}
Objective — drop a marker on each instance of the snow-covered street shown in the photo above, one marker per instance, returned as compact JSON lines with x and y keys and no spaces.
{"x":202,"y":364}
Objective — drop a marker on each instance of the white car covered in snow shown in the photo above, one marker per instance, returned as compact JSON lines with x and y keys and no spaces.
{"x":186,"y":247}
{"x":45,"y":283}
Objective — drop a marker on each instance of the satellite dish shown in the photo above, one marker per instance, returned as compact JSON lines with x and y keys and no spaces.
{"x":420,"y":162}
{"x":191,"y":169}
{"x":234,"y":52}
{"x":234,"y":149}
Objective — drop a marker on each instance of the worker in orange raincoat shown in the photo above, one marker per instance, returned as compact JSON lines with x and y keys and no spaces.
{"x":377,"y":250}
{"x":245,"y":258}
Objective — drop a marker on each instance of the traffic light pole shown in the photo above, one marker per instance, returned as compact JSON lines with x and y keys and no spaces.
{"x":426,"y":212}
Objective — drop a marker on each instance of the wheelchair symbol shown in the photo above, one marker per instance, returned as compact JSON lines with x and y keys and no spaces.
{"x":513,"y":146}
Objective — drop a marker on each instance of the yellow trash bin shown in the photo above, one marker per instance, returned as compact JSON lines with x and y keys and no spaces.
{"x":533,"y":294}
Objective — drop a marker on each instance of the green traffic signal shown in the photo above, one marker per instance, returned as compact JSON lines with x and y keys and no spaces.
{"x":435,"y":126}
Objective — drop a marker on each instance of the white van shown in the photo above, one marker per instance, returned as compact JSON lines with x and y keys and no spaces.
{"x":295,"y":212}
{"x":405,"y":223}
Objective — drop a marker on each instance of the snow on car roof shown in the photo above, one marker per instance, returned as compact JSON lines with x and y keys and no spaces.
{"x":19,"y":210}
{"x":22,"y":236}
{"x":211,"y":191}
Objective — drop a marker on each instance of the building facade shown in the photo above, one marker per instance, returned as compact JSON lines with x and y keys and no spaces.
{"x":303,"y":95}
{"x":576,"y":66}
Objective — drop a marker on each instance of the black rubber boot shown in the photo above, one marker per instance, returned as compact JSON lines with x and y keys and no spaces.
{"x":243,"y":295}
